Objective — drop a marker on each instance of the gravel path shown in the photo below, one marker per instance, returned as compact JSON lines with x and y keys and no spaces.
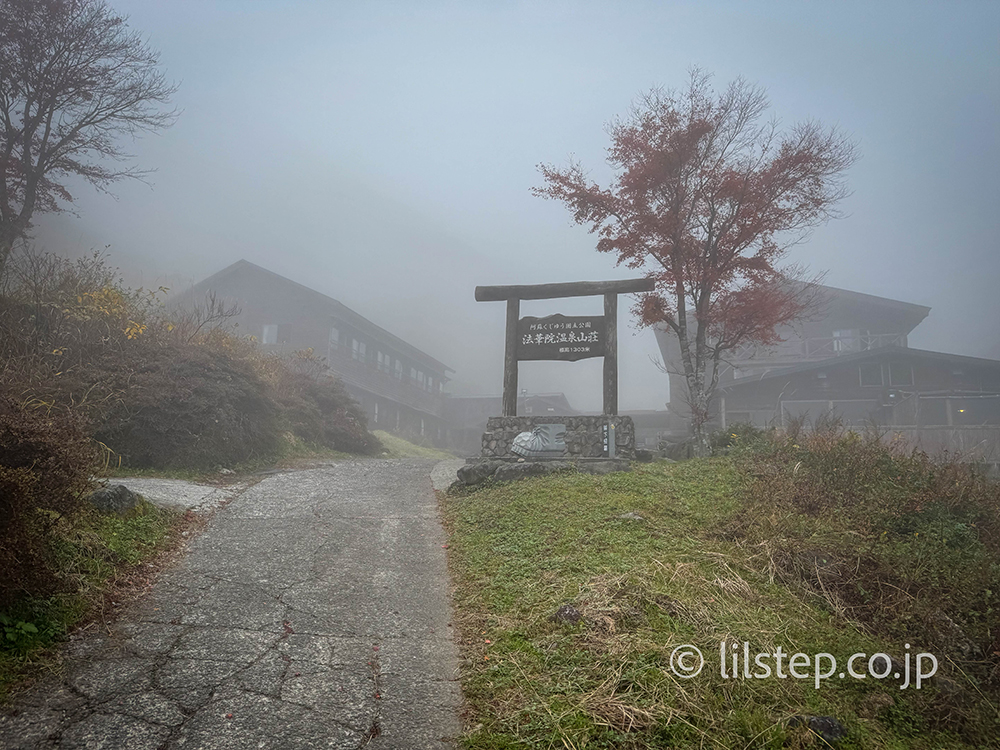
{"x":312,"y":613}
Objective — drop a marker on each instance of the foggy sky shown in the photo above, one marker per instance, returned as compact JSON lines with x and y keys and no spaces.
{"x":383,"y":153}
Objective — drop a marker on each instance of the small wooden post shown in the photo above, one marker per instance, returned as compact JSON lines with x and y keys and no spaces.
{"x":510,"y":359}
{"x":611,"y":354}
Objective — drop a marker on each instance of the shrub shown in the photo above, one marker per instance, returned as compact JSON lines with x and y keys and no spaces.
{"x":45,"y":464}
{"x":741,"y":434}
{"x":904,"y":545}
{"x":194,"y":407}
{"x":317,"y":407}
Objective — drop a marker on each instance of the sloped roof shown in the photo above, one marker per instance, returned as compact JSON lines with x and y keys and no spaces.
{"x":336,"y":307}
{"x":909,"y":307}
{"x":911,"y":312}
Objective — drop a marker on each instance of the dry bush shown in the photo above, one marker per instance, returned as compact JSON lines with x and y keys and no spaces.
{"x":317,"y":407}
{"x":891,"y":540}
{"x":45,"y":464}
{"x":193,"y":407}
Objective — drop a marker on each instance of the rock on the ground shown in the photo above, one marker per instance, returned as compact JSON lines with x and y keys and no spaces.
{"x":445,"y":473}
{"x":951,"y":637}
{"x":114,"y":498}
{"x":511,"y":471}
{"x":478,"y":472}
{"x":567,"y":613}
{"x":631,"y":516}
{"x":828,"y":728}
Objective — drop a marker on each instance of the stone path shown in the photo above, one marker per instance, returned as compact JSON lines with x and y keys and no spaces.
{"x":312,"y":613}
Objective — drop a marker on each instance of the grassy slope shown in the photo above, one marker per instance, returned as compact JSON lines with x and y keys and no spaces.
{"x":397,"y":447}
{"x":519,"y":551}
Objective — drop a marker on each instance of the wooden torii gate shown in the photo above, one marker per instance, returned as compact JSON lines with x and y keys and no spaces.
{"x":515,"y":345}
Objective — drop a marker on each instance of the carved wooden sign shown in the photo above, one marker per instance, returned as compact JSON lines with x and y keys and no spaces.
{"x":561,"y":337}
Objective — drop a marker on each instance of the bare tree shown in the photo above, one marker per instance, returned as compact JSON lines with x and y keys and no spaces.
{"x":74,"y":81}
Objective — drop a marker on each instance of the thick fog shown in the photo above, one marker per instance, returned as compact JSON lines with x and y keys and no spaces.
{"x":383,"y":154}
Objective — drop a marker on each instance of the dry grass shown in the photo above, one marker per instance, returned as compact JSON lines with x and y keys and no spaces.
{"x":712,"y":564}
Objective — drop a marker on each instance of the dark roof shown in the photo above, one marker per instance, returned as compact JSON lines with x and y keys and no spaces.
{"x":894,"y":304}
{"x":872,"y":354}
{"x":338,"y":308}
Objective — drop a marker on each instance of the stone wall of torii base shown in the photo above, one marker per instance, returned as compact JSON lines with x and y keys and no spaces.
{"x":584,"y":435}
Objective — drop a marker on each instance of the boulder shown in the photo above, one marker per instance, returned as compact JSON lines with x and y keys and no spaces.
{"x":508,"y":472}
{"x":114,"y":498}
{"x":479,"y":472}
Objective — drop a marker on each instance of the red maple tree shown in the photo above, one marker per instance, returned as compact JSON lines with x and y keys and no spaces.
{"x":707,"y":198}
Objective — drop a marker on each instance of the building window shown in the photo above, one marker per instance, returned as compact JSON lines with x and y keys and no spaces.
{"x":334,"y":339}
{"x":845,"y":341}
{"x":384,"y":361}
{"x":358,"y":350}
{"x":430,"y":384}
{"x":413,"y":374}
{"x":900,"y":374}
{"x":270,"y":334}
{"x":871,"y":375}
{"x":421,"y":425}
{"x":399,"y":376}
{"x":376,"y":413}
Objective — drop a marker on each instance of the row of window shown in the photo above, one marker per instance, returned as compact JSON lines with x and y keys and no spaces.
{"x":384,"y":362}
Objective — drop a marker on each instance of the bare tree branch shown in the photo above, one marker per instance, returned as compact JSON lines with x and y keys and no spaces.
{"x":74,"y":82}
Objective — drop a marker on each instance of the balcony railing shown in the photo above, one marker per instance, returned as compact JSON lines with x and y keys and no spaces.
{"x":817,"y":348}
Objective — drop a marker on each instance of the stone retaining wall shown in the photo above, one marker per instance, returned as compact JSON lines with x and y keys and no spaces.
{"x":584,"y":435}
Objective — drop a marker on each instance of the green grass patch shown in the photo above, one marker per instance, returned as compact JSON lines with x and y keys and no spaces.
{"x":397,"y":447}
{"x":91,"y":553}
{"x":650,"y":561}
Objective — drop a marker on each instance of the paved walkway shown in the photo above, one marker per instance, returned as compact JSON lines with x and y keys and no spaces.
{"x":312,"y":613}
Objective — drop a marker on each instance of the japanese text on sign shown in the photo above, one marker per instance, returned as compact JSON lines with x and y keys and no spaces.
{"x":561,"y":337}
